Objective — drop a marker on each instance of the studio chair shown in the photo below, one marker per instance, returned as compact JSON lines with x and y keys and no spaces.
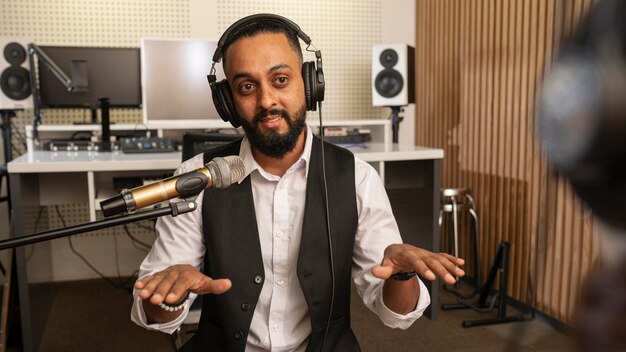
{"x":454,"y":203}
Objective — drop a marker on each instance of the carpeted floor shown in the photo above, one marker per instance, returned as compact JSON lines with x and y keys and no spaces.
{"x":94,"y":316}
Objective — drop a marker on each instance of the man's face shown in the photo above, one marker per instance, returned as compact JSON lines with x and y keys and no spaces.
{"x":268,"y":92}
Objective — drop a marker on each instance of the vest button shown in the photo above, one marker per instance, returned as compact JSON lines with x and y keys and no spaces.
{"x":245,"y":306}
{"x":238,"y":335}
{"x":258,"y":279}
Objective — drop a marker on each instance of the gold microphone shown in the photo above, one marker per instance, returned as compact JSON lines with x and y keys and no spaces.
{"x":217,"y":173}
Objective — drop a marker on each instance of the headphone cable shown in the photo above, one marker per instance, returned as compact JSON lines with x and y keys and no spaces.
{"x":330,"y":242}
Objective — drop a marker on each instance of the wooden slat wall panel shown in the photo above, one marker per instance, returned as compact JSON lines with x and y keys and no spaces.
{"x":479,"y":64}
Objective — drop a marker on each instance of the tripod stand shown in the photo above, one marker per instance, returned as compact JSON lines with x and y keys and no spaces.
{"x":500,"y":264}
{"x":9,"y":308}
{"x":8,"y":155}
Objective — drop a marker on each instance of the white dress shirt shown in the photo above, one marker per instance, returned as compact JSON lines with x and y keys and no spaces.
{"x":280,"y":321}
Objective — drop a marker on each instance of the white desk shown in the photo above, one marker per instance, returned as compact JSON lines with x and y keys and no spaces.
{"x":410,"y":175}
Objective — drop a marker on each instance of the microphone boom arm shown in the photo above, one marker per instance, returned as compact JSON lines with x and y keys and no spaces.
{"x":33,"y":50}
{"x":56,"y":70}
{"x":174,"y":209}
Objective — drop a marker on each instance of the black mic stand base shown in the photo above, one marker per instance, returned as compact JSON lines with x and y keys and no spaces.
{"x":500,"y":264}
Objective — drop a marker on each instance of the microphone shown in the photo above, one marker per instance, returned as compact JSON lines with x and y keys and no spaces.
{"x":217,"y":173}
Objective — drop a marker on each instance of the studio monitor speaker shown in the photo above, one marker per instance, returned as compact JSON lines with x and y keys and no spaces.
{"x":393,"y":75}
{"x":14,"y":75}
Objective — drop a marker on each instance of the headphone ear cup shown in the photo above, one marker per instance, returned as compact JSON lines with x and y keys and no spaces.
{"x":223,"y":101}
{"x":310,"y":92}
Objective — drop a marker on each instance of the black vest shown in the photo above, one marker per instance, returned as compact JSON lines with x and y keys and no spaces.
{"x":233,"y":251}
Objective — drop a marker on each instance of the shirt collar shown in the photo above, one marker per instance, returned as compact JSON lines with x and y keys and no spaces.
{"x":245,"y":152}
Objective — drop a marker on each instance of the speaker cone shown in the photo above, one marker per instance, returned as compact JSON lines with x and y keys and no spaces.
{"x":389,"y":83}
{"x":15,"y":83}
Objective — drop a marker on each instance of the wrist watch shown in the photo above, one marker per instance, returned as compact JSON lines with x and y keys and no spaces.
{"x":403,"y":276}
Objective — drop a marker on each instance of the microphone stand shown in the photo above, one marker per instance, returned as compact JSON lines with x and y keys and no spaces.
{"x":395,"y":121}
{"x":67,"y":82}
{"x":174,"y":209}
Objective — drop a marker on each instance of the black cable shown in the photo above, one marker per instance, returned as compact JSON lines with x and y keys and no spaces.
{"x":77,"y":133}
{"x":32,"y":246}
{"x":150,"y":228}
{"x":479,"y":309}
{"x":117,"y":261}
{"x":330,"y":242}
{"x":136,"y":241}
{"x":69,"y":240}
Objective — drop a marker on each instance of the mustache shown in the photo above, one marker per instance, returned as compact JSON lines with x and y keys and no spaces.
{"x":265,"y":113}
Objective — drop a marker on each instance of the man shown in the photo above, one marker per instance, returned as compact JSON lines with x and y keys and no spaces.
{"x":260,"y":252}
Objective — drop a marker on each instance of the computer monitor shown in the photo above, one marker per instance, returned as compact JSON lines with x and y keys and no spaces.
{"x":196,"y":143}
{"x":176,"y":92}
{"x":97,"y":72}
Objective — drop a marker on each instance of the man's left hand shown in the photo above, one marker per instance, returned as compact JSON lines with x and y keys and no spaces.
{"x":428,"y":265}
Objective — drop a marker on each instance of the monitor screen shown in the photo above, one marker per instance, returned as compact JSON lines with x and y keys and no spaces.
{"x":174,"y":81}
{"x":97,"y":72}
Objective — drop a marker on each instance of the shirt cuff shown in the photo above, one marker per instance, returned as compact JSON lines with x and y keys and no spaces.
{"x":138,"y":316}
{"x":399,"y":321}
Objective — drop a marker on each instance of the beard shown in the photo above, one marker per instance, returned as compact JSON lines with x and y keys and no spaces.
{"x":273,"y":143}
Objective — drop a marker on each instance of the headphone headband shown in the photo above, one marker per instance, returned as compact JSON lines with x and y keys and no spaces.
{"x":312,"y":73}
{"x":265,"y":17}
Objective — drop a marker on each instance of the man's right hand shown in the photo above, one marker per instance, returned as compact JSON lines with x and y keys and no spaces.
{"x":172,"y":286}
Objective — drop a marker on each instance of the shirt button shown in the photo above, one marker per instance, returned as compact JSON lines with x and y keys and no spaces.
{"x":275,"y":327}
{"x":280,"y":282}
{"x":278,"y":234}
{"x":245,"y":306}
{"x":238,"y":335}
{"x":258,"y":279}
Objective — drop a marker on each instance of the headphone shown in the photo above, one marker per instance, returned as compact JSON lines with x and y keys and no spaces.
{"x":312,"y":73}
{"x":582,"y":111}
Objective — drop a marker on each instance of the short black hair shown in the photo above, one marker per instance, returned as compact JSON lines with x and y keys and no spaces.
{"x":253,"y":28}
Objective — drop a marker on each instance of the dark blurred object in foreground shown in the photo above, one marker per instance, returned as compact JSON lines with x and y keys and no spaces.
{"x":601,"y":320}
{"x":582,"y":111}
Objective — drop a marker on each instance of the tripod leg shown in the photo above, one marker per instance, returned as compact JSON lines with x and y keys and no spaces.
{"x":502,"y":263}
{"x":495,"y":267}
{"x":484,"y":290}
{"x":476,"y":247}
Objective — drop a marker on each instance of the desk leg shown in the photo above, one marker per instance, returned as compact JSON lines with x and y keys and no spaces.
{"x":413,"y":189}
{"x":17,"y":218}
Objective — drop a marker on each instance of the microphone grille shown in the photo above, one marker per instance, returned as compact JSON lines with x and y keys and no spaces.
{"x":226,"y":171}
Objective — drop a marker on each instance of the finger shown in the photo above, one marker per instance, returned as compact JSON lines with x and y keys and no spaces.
{"x":452,"y":263}
{"x":177,"y":292}
{"x":451,"y":266}
{"x":423,"y":270}
{"x":440,"y":270}
{"x":139,"y":284}
{"x":459,"y":272}
{"x":163,"y":288}
{"x":382,"y":271}
{"x":208,"y":285}
{"x":148,"y":284}
{"x":453,"y":259}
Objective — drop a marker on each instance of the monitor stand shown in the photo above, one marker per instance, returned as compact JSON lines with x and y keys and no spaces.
{"x":106,"y":124}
